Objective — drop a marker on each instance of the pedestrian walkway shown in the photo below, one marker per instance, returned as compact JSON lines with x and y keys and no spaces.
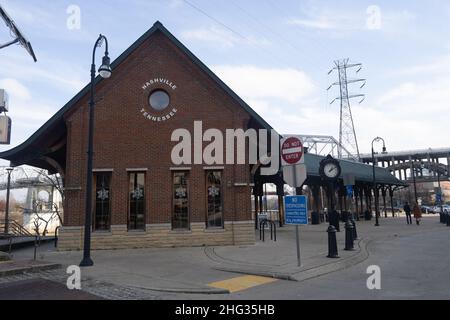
{"x":218,"y":270}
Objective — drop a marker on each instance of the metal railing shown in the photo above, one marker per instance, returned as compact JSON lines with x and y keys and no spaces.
{"x":15,"y":229}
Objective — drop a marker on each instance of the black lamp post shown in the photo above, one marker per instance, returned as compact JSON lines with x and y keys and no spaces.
{"x":8,"y":187}
{"x":105,"y":72}
{"x":377,"y":139}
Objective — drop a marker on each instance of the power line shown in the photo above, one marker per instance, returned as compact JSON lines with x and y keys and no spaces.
{"x":278,"y":60}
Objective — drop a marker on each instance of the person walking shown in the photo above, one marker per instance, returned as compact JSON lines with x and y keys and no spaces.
{"x":407,"y":210}
{"x":417,"y":213}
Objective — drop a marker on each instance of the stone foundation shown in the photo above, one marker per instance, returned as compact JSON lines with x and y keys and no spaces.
{"x":159,"y":236}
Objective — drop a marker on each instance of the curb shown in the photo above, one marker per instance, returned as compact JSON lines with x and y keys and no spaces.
{"x":186,"y":290}
{"x":351,"y":261}
{"x":31,"y":269}
{"x":298,"y":275}
{"x":268,"y":274}
{"x":4,"y":256}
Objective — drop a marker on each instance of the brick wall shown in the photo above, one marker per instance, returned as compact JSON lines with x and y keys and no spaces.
{"x":125,"y":139}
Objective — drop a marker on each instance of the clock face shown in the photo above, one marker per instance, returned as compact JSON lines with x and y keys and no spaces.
{"x":331,"y":170}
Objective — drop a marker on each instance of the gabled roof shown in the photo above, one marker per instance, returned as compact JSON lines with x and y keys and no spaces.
{"x":58,"y":117}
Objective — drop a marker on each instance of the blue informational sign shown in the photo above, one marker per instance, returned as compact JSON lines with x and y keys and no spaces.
{"x":438,"y":198}
{"x":296,"y":209}
{"x":349,"y":191}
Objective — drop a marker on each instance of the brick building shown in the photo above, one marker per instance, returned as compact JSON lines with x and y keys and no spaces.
{"x":141,"y":199}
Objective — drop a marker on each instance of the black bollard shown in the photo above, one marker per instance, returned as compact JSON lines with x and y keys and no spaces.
{"x":355,"y":233}
{"x":448,"y":220}
{"x":441,"y":219}
{"x":349,"y":236}
{"x":335,"y":221}
{"x":332,"y":243}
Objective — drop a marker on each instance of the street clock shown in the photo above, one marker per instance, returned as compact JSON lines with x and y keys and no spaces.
{"x":330,"y":169}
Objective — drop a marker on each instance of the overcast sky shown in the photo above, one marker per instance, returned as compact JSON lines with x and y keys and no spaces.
{"x":274,"y":54}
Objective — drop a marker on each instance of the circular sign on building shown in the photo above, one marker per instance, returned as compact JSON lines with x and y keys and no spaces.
{"x":157,"y":105}
{"x":291,"y":151}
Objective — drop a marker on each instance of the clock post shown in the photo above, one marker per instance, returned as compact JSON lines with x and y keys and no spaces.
{"x":329,"y":171}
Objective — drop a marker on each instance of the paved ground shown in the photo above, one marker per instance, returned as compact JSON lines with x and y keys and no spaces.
{"x":413,"y":260}
{"x":40,"y":289}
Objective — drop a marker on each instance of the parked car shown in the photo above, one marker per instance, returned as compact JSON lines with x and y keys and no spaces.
{"x":427,"y":209}
{"x":445,"y":209}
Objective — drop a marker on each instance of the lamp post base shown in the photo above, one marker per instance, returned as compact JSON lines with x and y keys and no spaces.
{"x":86,"y":262}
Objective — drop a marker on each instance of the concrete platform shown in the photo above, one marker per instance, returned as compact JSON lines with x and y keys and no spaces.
{"x":191,"y":270}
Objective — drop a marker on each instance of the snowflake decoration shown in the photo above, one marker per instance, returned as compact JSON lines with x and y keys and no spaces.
{"x":180,"y":192}
{"x":213,"y":191}
{"x":137,"y":193}
{"x":103,"y":194}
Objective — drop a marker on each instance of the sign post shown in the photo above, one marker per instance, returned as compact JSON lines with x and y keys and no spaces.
{"x":294,"y":174}
{"x":296,"y":211}
{"x":292,"y":160}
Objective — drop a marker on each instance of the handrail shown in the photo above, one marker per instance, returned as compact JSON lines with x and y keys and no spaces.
{"x":15,"y":228}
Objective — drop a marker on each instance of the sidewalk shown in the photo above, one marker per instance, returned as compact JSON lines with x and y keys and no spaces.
{"x":190,"y":270}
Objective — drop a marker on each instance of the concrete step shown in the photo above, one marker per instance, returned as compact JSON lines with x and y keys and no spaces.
{"x":8,"y":268}
{"x":4,"y":256}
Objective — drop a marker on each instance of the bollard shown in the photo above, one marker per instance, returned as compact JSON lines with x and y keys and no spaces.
{"x":274,"y":232}
{"x":349,"y":236}
{"x":441,"y":218}
{"x":448,"y":220}
{"x":332,"y":243}
{"x":335,"y":220}
{"x":355,"y":233}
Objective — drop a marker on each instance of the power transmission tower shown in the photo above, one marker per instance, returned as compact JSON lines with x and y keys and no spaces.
{"x":347,"y":134}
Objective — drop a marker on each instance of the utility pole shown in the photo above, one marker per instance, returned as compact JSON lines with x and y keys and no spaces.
{"x":347,"y":133}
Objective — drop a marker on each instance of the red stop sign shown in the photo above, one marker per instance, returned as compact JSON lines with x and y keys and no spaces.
{"x":292,"y":150}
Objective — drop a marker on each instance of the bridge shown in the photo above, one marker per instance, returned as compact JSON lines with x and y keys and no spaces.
{"x":41,"y":195}
{"x":427,"y":165}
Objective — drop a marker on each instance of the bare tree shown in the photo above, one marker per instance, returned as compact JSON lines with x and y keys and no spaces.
{"x":56,"y":181}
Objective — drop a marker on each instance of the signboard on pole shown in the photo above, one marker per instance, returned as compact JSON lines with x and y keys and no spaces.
{"x":291,"y":151}
{"x":295,"y":176}
{"x":296,"y":210}
{"x":349,"y":189}
{"x":292,"y":160}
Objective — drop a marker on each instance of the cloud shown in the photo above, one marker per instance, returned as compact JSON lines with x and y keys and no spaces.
{"x":221,"y":37}
{"x":439,"y":66}
{"x":15,"y":89}
{"x":335,"y":19}
{"x":53,"y":72}
{"x":318,"y":23}
{"x":256,"y":83}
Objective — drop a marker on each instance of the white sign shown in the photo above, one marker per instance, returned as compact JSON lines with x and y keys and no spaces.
{"x":295,"y":176}
{"x":292,"y":152}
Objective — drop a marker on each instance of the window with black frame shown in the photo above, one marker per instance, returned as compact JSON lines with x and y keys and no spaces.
{"x":102,"y":219}
{"x":214,"y":199}
{"x":180,"y":217}
{"x":136,"y":220}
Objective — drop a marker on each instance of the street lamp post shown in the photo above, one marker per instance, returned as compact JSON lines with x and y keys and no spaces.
{"x":8,"y":187}
{"x":377,"y":139}
{"x":105,"y":72}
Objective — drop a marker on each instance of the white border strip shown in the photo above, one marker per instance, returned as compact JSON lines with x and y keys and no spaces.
{"x":180,"y":168}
